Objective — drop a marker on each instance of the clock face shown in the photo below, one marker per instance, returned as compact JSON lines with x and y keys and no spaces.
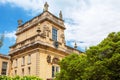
{"x":56,"y":44}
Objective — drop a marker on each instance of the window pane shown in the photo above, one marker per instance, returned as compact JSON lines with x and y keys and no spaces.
{"x":4,"y":68}
{"x":23,"y":72}
{"x":29,"y":70}
{"x":15,"y":72}
{"x":53,"y":71}
{"x":4,"y":65}
{"x":23,"y":60}
{"x":16,"y":63}
{"x":54,"y":34}
{"x":29,"y":59}
{"x":57,"y":69}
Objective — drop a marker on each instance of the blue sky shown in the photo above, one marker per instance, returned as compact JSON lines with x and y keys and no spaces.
{"x":87,"y":21}
{"x":8,"y":24}
{"x":9,"y":15}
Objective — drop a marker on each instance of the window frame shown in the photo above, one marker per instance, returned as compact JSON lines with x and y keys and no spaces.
{"x":15,"y":72}
{"x":55,"y":70}
{"x":23,"y":71}
{"x":16,"y":62}
{"x":4,"y":68}
{"x":54,"y":34}
{"x":29,"y":70}
{"x":29,"y":59}
{"x":23,"y":61}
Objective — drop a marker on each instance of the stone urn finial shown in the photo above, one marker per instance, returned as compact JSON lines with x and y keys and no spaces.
{"x":20,"y":22}
{"x":46,"y":6}
{"x":60,"y":15}
{"x":75,"y":46}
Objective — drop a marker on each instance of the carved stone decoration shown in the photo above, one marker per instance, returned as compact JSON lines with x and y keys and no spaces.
{"x":43,"y":35}
{"x":38,"y":30}
{"x":56,"y":44}
{"x":46,"y":6}
{"x":38,"y":24}
{"x":63,"y":38}
{"x":46,"y":30}
{"x":48,"y":33}
{"x":55,"y":60}
{"x":49,"y":59}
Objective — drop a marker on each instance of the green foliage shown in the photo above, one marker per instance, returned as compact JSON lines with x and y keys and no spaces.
{"x":5,"y":78}
{"x":72,"y":67}
{"x":19,"y":78}
{"x":104,"y":59}
{"x":102,"y":62}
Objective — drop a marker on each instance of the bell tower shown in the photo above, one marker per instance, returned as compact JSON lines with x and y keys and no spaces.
{"x":40,"y":44}
{"x":46,"y":27}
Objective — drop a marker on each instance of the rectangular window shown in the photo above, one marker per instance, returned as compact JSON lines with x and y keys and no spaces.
{"x":23,"y":60}
{"x":29,"y":59}
{"x":53,"y":71}
{"x":22,"y":72}
{"x":57,"y":69}
{"x":4,"y":68}
{"x":29,"y":70}
{"x":15,"y":72}
{"x":54,"y":34}
{"x":16,"y":63}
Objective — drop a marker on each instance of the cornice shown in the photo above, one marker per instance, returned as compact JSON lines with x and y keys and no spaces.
{"x":45,"y":16}
{"x":73,"y":49}
{"x":24,"y":41}
{"x":4,"y":56}
{"x":37,"y":44}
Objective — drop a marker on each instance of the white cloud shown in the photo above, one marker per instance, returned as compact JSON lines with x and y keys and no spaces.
{"x":90,"y":21}
{"x":25,"y":4}
{"x":94,"y":22}
{"x":10,"y":35}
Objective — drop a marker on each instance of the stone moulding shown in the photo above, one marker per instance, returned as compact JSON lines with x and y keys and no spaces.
{"x":45,"y":16}
{"x":38,"y":45}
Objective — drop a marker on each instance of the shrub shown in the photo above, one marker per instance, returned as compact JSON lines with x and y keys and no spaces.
{"x":20,"y":78}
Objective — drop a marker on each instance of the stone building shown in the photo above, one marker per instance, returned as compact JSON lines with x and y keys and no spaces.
{"x":4,"y":64}
{"x":39,"y":46}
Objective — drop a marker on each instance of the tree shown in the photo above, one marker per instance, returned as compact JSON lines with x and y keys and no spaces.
{"x":72,"y":67}
{"x":101,"y":62}
{"x":1,"y":40}
{"x":104,"y":59}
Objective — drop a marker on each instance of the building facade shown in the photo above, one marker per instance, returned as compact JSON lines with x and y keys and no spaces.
{"x":4,"y":64}
{"x":39,"y":46}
